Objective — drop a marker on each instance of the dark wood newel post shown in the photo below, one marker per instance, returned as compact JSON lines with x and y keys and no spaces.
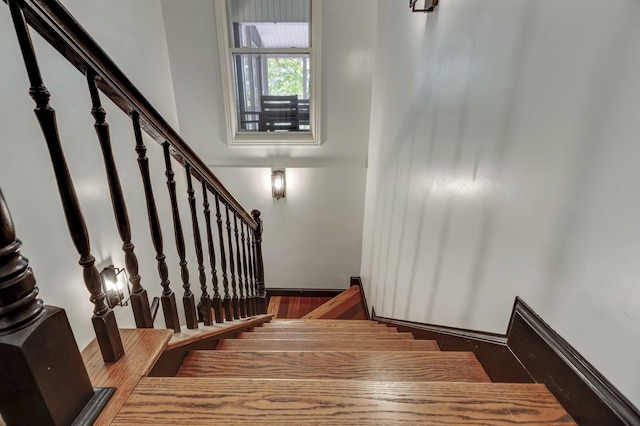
{"x":104,"y":320}
{"x":43,"y":379}
{"x":139,"y":299}
{"x":259,"y":270}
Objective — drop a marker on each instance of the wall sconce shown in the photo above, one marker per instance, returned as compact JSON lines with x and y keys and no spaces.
{"x":278,"y":184}
{"x":429,"y":5}
{"x":114,"y":280}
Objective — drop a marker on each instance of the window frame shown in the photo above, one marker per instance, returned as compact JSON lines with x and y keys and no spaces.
{"x":226,"y":52}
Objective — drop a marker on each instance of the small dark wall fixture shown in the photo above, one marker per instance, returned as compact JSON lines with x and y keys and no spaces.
{"x":428,"y":6}
{"x":531,"y":351}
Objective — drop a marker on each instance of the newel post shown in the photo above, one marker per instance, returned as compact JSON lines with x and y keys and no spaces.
{"x":259,"y":267}
{"x":42,"y":377}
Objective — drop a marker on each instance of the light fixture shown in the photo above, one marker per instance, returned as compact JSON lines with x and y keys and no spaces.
{"x":114,"y":280}
{"x":278,"y":184}
{"x":429,"y":5}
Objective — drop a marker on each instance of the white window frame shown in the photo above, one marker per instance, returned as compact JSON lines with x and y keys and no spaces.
{"x":237,"y":138}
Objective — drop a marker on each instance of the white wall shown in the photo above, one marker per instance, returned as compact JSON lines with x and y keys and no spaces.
{"x":26,"y":175}
{"x":504,"y":139}
{"x":302,"y":246}
{"x":312,"y":237}
{"x":346,"y":71}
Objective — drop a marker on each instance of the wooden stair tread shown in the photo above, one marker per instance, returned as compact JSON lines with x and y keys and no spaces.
{"x":187,"y":336}
{"x":320,"y":320}
{"x":323,"y":324}
{"x":336,"y":365}
{"x":142,"y":347}
{"x":318,"y":336}
{"x":333,"y":329}
{"x":318,"y":345}
{"x":196,"y":401}
{"x":347,"y":304}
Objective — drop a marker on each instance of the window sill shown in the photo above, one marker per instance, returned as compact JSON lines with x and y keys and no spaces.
{"x":274,"y":139}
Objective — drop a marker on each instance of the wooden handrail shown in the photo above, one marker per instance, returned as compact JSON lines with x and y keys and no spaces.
{"x":56,"y":25}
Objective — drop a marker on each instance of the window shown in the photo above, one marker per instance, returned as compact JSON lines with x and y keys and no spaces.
{"x":270,"y":58}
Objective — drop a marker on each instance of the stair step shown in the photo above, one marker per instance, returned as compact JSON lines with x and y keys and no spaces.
{"x":196,"y":401}
{"x":324,"y":324}
{"x":319,"y":345}
{"x":319,"y":336}
{"x":347,"y":304}
{"x":336,"y":365}
{"x":319,"y":320}
{"x":332,"y":329}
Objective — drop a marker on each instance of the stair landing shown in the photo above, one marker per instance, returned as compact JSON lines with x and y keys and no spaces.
{"x":348,"y":305}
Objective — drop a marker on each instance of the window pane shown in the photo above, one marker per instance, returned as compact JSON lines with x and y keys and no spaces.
{"x":270,"y":23}
{"x":272,"y":92}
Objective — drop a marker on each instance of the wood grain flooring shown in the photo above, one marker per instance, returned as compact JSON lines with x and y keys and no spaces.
{"x":324,"y":321}
{"x":320,"y":345}
{"x":198,"y":401}
{"x":337,"y":365}
{"x":323,"y":324}
{"x":142,"y":348}
{"x":294,"y":307}
{"x":324,"y":336}
{"x":187,"y":336}
{"x":315,"y":330}
{"x":346,"y":305}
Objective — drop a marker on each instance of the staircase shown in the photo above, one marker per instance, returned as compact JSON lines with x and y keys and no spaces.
{"x":334,"y":372}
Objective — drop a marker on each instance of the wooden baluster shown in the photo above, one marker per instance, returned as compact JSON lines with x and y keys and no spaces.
{"x":260,"y":291}
{"x":104,"y":321}
{"x":168,"y":298}
{"x":226,"y":302}
{"x":216,"y":300}
{"x":241,"y":299}
{"x":45,"y":382}
{"x":234,"y":297}
{"x":204,"y":307}
{"x":187,"y":298}
{"x":247,"y":298}
{"x":139,"y":299}
{"x":252,"y":264}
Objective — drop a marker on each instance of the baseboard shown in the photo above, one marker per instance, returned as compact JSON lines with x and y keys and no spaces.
{"x":303,"y":292}
{"x":491,"y":349}
{"x":357,"y":281}
{"x":531,"y":351}
{"x":587,"y":395}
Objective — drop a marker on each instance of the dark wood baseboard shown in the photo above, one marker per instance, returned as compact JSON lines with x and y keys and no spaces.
{"x":491,"y":349}
{"x":357,"y":281}
{"x":588,"y":396}
{"x":303,"y":292}
{"x":531,"y":351}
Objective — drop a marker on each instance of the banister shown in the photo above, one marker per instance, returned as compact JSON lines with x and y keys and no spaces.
{"x":56,"y":25}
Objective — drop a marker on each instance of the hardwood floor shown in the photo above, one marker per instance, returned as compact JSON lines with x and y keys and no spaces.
{"x":319,"y":345}
{"x":334,"y":372}
{"x":337,"y":365}
{"x":347,"y":305}
{"x":294,"y":307}
{"x":204,"y":401}
{"x":142,"y":349}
